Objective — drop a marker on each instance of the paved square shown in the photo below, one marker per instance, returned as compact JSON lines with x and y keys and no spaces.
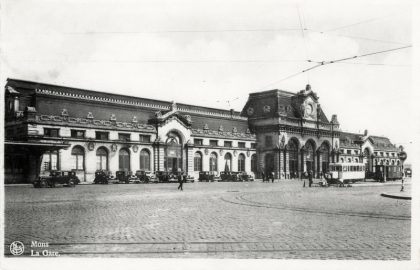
{"x":212,"y":220}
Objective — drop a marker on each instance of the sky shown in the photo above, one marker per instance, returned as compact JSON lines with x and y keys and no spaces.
{"x":214,"y":53}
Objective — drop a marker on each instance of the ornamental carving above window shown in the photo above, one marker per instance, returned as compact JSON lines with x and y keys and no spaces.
{"x":266,"y":109}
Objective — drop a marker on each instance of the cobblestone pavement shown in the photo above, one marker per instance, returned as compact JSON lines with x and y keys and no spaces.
{"x":212,"y":220}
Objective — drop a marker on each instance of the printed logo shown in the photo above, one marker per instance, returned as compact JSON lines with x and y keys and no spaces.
{"x":17,"y":248}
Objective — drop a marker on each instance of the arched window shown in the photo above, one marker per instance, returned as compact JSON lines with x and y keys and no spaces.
{"x":213,"y":162}
{"x":398,"y":162}
{"x":78,"y":158}
{"x":228,"y":162}
{"x":254,"y":167}
{"x":348,"y":159}
{"x":145,"y":160}
{"x":392,"y":162}
{"x":124,"y":160}
{"x":342,"y":160}
{"x":387,"y":162}
{"x":198,"y":162}
{"x":356,"y":160}
{"x":241,"y":163}
{"x":101,"y":159}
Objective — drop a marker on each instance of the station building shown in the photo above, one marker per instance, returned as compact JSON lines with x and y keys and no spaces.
{"x":50,"y":127}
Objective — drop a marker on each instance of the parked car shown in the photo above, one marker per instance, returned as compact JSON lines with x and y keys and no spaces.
{"x":243,"y":176}
{"x":65,"y":178}
{"x":124,"y":176}
{"x":103,"y":177}
{"x":230,"y":176}
{"x":145,"y":177}
{"x":408,"y":172}
{"x":206,"y":176}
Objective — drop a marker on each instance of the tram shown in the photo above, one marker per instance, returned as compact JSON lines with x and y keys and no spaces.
{"x":343,"y":173}
{"x":388,"y":172}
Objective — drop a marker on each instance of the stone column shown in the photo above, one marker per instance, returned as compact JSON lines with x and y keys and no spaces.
{"x":190,"y":159}
{"x":281,"y":164}
{"x":276,"y":164}
{"x":287,"y":169}
{"x":319,"y":160}
{"x":90,"y":164}
{"x":303,"y":158}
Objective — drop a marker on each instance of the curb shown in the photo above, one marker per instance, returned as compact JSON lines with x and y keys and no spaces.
{"x":392,"y":196}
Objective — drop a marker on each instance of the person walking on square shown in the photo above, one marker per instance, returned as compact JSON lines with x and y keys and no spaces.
{"x":181,"y":182}
{"x":272,"y":176}
{"x":263,"y":176}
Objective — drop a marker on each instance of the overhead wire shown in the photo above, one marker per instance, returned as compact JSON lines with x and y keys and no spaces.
{"x":323,"y":63}
{"x":302,"y":27}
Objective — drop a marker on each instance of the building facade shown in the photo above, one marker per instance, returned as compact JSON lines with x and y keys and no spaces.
{"x":50,"y":127}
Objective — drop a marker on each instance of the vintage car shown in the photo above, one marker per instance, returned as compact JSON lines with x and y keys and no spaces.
{"x":65,"y":178}
{"x":243,"y":176}
{"x":229,"y":176}
{"x":165,"y":176}
{"x":103,"y":177}
{"x":206,"y":176}
{"x":145,"y":177}
{"x":408,"y":172}
{"x":125,"y":177}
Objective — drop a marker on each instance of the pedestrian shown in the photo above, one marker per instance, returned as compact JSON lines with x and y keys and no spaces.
{"x":310,"y":178}
{"x":263,"y":176}
{"x":272,"y":176}
{"x":180,"y":181}
{"x":402,"y":184}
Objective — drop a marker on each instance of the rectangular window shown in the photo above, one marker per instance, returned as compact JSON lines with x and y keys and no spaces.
{"x":102,"y":135}
{"x":268,"y":141}
{"x":253,"y":145}
{"x":80,"y":134}
{"x":228,"y":143}
{"x":349,"y":152}
{"x":213,"y":142}
{"x":51,"y":132}
{"x":124,"y":137}
{"x":241,"y":144}
{"x":198,"y":141}
{"x":144,"y":138}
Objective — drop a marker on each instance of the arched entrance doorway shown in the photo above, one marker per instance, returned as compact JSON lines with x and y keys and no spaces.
{"x":324,"y":156}
{"x":173,"y":153}
{"x":293,"y":151}
{"x":310,"y":156}
{"x":269,"y":163}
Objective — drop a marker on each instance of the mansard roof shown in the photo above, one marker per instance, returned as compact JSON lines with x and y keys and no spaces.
{"x":81,"y":102}
{"x":280,"y":102}
{"x":352,"y":140}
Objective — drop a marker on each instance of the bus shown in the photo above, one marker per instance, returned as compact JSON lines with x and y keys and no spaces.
{"x":343,"y":173}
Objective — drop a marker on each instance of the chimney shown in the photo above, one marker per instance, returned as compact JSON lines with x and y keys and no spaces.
{"x":366,"y":132}
{"x":308,"y":87}
{"x":231,"y":113}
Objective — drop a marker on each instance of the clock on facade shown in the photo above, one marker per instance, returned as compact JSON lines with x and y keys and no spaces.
{"x":309,"y":109}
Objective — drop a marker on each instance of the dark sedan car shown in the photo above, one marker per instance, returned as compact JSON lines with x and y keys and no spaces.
{"x":65,"y":178}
